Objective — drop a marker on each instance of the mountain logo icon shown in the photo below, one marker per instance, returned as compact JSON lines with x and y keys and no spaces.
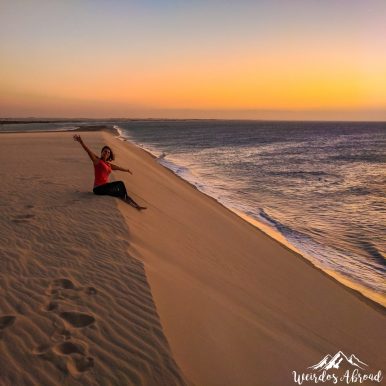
{"x":333,"y":362}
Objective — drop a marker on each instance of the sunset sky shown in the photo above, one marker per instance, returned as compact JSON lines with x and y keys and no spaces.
{"x":297,"y":59}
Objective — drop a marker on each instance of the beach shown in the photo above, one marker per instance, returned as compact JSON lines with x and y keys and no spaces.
{"x":94,"y":292}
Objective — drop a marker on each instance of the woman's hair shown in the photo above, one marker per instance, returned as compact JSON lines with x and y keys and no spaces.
{"x":112,"y":157}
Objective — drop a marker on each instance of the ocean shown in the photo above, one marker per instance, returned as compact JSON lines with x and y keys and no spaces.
{"x":320,"y":186}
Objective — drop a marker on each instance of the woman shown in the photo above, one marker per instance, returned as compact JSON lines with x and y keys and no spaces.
{"x":102,"y":169}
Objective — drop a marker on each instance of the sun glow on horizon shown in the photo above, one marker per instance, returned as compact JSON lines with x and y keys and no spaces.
{"x":144,"y":60}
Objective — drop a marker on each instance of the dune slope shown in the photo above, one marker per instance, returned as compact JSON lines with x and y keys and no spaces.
{"x":75,"y":306}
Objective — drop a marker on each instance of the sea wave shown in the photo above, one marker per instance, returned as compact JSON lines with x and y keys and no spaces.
{"x":285,"y":188}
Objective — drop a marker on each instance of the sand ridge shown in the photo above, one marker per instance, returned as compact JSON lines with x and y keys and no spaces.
{"x":75,"y":306}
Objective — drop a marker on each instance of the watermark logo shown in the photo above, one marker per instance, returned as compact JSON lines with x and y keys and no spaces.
{"x":333,"y":362}
{"x":347,"y":369}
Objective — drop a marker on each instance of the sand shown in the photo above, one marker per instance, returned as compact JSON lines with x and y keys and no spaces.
{"x":94,"y":292}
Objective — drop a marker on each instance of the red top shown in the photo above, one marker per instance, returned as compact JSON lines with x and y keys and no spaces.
{"x":102,"y":171}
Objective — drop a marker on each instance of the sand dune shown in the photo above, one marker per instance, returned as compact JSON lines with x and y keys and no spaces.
{"x":75,"y":306}
{"x":95,"y":293}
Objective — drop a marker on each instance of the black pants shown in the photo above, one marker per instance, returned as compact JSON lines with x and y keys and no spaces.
{"x":115,"y":189}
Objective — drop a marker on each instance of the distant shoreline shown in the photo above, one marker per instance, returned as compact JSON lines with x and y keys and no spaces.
{"x":11,"y":121}
{"x":79,"y":128}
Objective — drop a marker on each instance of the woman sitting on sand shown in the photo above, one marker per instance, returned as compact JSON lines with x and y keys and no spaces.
{"x":102,"y":168}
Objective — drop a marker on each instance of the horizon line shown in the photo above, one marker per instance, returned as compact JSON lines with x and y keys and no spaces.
{"x":15,"y":120}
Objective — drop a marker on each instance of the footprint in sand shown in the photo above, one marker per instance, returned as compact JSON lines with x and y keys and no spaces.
{"x":63,"y":292}
{"x":69,"y":357}
{"x":65,"y":289}
{"x":77,"y":319}
{"x":6,"y":321}
{"x":64,"y":283}
{"x":68,"y":354}
{"x":52,"y":306}
{"x":78,"y":360}
{"x":23,"y":218}
{"x":80,"y":365}
{"x":67,"y":348}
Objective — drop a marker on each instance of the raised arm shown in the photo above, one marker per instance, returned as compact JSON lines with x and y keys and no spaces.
{"x":115,"y":167}
{"x":93,"y":156}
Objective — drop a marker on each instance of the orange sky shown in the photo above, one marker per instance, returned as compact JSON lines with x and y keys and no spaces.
{"x":62,"y":60}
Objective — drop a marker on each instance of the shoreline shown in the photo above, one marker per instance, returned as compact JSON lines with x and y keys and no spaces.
{"x":59,"y":120}
{"x":85,"y":128}
{"x":223,"y":280}
{"x":375,"y":299}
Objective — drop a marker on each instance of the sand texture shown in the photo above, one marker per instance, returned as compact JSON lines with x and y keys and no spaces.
{"x":94,"y":292}
{"x":75,"y":306}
